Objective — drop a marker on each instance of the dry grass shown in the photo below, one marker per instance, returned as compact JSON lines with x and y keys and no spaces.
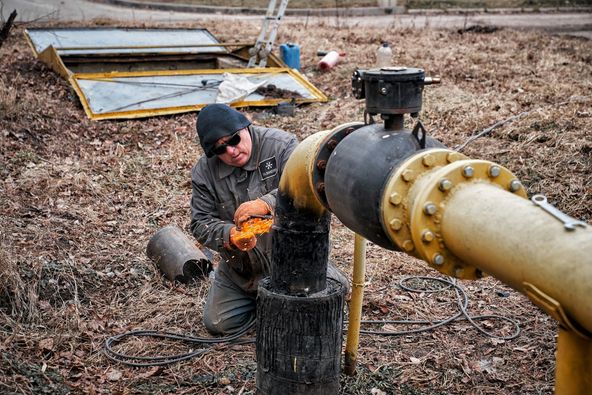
{"x":80,"y":200}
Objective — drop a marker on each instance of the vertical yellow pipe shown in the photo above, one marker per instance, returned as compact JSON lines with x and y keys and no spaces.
{"x":573,"y":370}
{"x":355,"y":306}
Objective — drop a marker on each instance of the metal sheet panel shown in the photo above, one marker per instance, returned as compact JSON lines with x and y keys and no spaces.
{"x":98,"y":41}
{"x":143,"y":94}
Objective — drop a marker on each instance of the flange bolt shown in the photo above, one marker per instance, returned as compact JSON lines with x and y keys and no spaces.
{"x":438,"y":260}
{"x":428,"y":160}
{"x":408,"y":245}
{"x":445,"y":185}
{"x":453,"y":157}
{"x":408,"y":175}
{"x":515,"y":186}
{"x":494,"y":171}
{"x":430,"y":209}
{"x":427,"y":236}
{"x":322,"y":165}
{"x":331,"y":144}
{"x":396,"y":224}
{"x":395,"y":199}
{"x":468,"y":171}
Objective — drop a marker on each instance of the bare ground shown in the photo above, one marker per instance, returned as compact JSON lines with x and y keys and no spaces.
{"x":80,"y":200}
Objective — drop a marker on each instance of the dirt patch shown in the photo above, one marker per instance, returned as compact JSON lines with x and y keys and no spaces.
{"x":81,"y":200}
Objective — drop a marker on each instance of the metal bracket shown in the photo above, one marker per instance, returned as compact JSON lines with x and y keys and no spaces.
{"x":553,"y":308}
{"x":368,"y":120}
{"x":569,"y":223}
{"x":422,"y":141}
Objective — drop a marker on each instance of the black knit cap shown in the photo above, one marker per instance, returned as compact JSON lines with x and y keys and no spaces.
{"x":215,"y":121}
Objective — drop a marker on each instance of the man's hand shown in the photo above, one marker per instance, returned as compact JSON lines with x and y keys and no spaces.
{"x":243,"y":241}
{"x":250,"y":208}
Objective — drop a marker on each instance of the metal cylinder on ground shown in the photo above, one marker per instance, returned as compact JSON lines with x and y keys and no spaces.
{"x":176,"y":255}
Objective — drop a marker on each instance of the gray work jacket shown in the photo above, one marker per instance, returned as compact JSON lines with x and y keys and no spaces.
{"x":217,"y":191}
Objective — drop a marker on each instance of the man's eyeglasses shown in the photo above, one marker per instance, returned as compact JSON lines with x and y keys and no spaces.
{"x":220,"y":149}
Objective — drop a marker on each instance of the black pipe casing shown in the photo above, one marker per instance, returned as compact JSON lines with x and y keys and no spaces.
{"x":357,"y":173}
{"x":300,"y":248}
{"x":299,"y":341}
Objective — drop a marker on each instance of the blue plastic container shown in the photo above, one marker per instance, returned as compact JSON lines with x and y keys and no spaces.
{"x":290,"y":54}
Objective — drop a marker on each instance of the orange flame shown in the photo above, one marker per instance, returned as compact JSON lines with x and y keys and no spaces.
{"x":253,"y":227}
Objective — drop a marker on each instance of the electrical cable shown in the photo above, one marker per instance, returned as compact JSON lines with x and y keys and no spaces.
{"x":462,"y":302}
{"x":159,"y":360}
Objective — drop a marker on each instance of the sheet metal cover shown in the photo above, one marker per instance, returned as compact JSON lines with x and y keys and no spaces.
{"x":143,"y":94}
{"x":95,"y":41}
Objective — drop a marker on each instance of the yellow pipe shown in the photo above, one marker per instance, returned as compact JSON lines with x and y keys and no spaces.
{"x":355,"y":307}
{"x":469,"y":217}
{"x":574,"y":364}
{"x":296,"y":178}
{"x":523,"y":246}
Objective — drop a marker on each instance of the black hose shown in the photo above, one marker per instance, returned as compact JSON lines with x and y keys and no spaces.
{"x":233,"y":339}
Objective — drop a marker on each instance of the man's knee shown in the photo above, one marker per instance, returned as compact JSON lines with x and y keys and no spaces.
{"x":217,"y":325}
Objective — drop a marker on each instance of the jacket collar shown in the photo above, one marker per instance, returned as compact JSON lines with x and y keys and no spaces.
{"x":225,"y":170}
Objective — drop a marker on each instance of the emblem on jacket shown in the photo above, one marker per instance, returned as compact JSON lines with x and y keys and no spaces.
{"x":268,"y":168}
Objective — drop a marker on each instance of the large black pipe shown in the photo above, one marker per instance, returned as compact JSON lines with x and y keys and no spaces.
{"x":300,"y":248}
{"x":357,"y":172}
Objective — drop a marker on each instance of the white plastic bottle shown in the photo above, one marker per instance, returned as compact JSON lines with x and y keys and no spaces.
{"x":384,"y":56}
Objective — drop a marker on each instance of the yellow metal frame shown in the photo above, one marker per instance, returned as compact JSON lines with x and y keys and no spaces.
{"x":74,"y":78}
{"x":54,"y":60}
{"x":50,"y":57}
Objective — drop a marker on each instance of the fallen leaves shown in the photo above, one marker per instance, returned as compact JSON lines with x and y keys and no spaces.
{"x":114,"y":375}
{"x":123,"y":180}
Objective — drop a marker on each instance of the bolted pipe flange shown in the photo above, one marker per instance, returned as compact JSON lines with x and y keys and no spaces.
{"x":322,"y":155}
{"x":394,"y":205}
{"x":426,"y":205}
